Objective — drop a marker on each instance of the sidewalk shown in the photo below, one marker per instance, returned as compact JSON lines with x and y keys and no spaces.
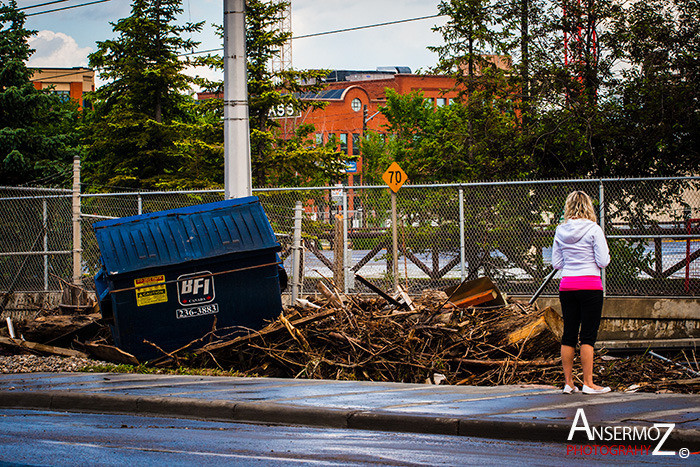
{"x":528,"y":413}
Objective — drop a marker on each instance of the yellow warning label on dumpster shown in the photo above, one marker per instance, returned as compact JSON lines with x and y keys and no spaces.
{"x":150,"y":290}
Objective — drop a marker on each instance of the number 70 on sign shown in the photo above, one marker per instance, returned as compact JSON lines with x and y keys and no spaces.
{"x":394,"y":177}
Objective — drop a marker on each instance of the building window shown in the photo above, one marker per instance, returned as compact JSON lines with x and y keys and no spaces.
{"x":432,"y":102}
{"x":356,"y":104}
{"x":319,"y":139}
{"x":355,"y":144}
{"x":63,"y":95}
{"x":344,"y":143}
{"x":441,"y":101}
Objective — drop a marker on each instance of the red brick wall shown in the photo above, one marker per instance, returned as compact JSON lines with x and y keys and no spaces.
{"x":76,"y":92}
{"x":339,"y":117}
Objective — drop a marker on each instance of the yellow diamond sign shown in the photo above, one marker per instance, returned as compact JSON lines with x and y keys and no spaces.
{"x":394,"y":177}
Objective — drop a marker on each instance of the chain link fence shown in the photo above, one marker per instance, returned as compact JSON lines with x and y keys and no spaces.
{"x":444,"y":233}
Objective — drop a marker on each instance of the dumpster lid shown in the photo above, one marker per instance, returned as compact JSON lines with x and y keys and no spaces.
{"x":185,"y":234}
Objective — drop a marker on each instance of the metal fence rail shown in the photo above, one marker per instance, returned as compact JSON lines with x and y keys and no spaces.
{"x":446,"y":233}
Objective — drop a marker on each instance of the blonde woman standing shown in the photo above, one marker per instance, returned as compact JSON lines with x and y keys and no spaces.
{"x":580,"y":251}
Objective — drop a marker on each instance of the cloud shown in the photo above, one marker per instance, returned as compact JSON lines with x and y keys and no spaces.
{"x":57,"y":50}
{"x":398,"y":44}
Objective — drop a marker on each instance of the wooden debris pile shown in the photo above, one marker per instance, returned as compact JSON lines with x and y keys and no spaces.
{"x":333,"y":336}
{"x":62,"y":330}
{"x":435,"y":338}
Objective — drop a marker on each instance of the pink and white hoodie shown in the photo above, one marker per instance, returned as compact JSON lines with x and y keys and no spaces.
{"x":580,"y":248}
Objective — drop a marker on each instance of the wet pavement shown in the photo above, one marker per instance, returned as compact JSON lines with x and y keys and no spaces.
{"x":35,"y":437}
{"x":528,"y":413}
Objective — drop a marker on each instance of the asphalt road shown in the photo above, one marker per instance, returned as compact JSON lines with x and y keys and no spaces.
{"x":57,"y":438}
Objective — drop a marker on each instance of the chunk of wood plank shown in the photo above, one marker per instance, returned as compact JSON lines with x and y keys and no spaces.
{"x":476,"y":299}
{"x":110,"y":353}
{"x":554,"y":322}
{"x":402,"y":297}
{"x":332,"y":298}
{"x":528,"y":331}
{"x":380,"y":292}
{"x":42,"y":348}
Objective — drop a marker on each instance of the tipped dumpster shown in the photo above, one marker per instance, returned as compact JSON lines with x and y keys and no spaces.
{"x":170,"y":277}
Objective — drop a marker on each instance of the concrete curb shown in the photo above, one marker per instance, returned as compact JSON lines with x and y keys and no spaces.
{"x":402,"y":422}
{"x":271,"y":413}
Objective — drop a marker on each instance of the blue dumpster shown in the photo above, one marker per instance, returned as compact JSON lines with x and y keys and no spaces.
{"x":170,"y":277}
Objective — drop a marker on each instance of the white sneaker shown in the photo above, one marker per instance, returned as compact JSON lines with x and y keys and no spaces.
{"x":589,"y":390}
{"x":569,"y":389}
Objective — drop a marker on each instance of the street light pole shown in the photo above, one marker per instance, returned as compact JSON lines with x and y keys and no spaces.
{"x":237,"y":165}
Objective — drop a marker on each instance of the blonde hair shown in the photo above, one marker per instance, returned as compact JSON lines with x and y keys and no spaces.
{"x":579,"y":206}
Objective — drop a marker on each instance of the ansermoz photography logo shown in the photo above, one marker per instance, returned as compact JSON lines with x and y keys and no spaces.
{"x":622,"y":440}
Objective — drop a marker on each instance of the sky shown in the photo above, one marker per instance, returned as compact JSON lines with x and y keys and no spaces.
{"x":65,"y":38}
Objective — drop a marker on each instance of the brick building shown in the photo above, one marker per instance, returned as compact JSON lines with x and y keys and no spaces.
{"x":352,"y":106}
{"x":69,"y":82}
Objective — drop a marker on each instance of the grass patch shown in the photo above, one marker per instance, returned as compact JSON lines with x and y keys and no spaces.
{"x":149,"y":370}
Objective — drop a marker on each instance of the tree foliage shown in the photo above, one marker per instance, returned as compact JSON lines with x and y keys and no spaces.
{"x":598,"y":89}
{"x":145,"y":130}
{"x":278,"y":160}
{"x":461,"y":142}
{"x":37,"y":128}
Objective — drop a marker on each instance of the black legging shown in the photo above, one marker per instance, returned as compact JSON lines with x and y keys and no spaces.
{"x":581,"y":310}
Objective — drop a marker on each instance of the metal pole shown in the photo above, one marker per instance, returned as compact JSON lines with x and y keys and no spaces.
{"x":45,"y":224}
{"x":296,"y":251}
{"x":689,"y":370}
{"x":462,"y":248}
{"x":139,"y":204}
{"x":601,"y":215}
{"x":346,"y":274}
{"x":394,"y":241}
{"x":544,"y":284}
{"x":77,"y":244}
{"x":237,"y":165}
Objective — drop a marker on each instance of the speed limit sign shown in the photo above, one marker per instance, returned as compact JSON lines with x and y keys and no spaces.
{"x":394,"y":177}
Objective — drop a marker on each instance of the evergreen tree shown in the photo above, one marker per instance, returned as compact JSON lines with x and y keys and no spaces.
{"x":140,"y":132}
{"x":475,"y":28}
{"x":37,"y":136}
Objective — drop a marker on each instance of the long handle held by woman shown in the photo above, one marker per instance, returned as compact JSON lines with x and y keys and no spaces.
{"x":544,"y":284}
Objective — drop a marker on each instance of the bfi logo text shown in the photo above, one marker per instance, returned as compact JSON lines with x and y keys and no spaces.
{"x":196,"y":288}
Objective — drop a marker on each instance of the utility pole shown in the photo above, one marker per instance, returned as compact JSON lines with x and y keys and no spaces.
{"x":237,"y":166}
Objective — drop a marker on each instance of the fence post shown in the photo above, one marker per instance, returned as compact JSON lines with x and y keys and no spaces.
{"x":462,"y":252}
{"x":45,"y":226}
{"x":601,"y":216}
{"x":394,"y":241}
{"x":139,"y":204}
{"x":77,"y":239}
{"x":296,"y":251}
{"x":347,"y":280}
{"x":338,"y":252}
